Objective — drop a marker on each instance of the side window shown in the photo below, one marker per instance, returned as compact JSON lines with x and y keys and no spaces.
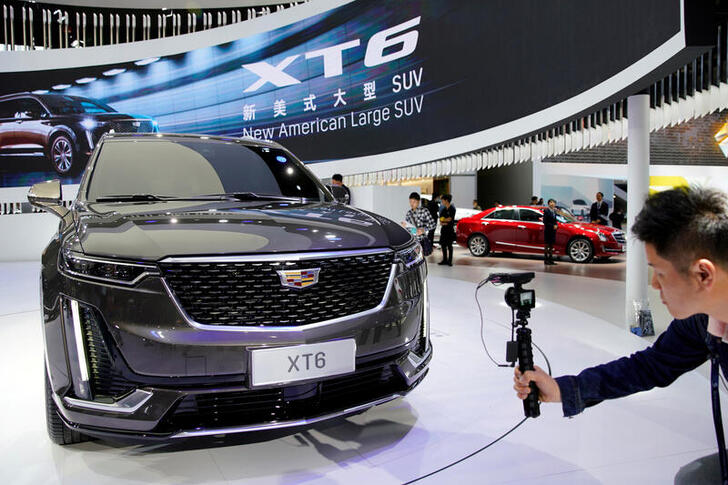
{"x":529,"y":215}
{"x":8,"y":108}
{"x":500,"y":214}
{"x":30,"y":107}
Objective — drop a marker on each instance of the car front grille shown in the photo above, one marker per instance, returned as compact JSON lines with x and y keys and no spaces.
{"x":105,"y":380}
{"x":242,"y":408}
{"x":250,"y":293}
{"x":125,"y":126}
{"x":619,"y":237}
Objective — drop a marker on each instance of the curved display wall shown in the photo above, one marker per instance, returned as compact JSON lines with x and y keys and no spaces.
{"x":367,"y":85}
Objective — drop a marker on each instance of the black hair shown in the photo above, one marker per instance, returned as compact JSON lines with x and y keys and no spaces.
{"x":337,"y":177}
{"x":685,"y":224}
{"x":446,"y":197}
{"x":551,"y":200}
{"x":414,"y":195}
{"x":600,"y":193}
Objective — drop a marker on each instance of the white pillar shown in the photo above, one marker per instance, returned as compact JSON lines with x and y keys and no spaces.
{"x":638,"y":183}
{"x":537,"y":167}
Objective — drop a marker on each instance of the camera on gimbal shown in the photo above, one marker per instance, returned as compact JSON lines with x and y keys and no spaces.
{"x":519,"y":349}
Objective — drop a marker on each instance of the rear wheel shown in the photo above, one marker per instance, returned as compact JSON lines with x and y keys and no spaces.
{"x":478,"y":245}
{"x":580,"y":250}
{"x":58,"y":432}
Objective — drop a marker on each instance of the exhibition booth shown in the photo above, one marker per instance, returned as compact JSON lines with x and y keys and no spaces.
{"x":186,"y":298}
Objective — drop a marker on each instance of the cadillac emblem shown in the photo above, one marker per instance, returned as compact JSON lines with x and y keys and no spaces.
{"x":299,"y":278}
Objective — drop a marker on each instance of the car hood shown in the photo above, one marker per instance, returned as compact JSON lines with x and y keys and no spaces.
{"x":594,"y":227}
{"x":153,"y":231}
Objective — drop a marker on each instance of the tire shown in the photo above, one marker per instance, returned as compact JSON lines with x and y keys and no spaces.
{"x":478,"y":245}
{"x":62,"y":156}
{"x":58,"y":432}
{"x":580,"y":250}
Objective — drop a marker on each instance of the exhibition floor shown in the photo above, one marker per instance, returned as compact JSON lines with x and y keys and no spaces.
{"x":464,"y":403}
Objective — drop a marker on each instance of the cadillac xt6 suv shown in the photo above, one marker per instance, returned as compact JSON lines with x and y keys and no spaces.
{"x":60,"y":127}
{"x":201,"y":285}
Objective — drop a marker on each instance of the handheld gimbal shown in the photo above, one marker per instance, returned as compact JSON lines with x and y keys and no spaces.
{"x":520,"y":348}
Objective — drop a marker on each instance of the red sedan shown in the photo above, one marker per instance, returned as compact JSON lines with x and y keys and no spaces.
{"x":519,"y":229}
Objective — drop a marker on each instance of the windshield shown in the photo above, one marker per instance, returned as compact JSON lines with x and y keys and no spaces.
{"x":64,"y":105}
{"x":563,"y":215}
{"x":193,"y":167}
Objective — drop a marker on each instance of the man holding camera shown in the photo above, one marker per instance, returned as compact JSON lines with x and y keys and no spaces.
{"x":685,"y":232}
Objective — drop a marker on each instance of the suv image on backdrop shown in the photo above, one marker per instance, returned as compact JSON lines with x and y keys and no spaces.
{"x":64,"y":129}
{"x":201,"y":285}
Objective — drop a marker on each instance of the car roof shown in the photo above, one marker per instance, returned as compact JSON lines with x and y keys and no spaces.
{"x":121,"y":137}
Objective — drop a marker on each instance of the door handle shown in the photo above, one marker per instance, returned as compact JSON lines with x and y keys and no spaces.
{"x":521,"y":227}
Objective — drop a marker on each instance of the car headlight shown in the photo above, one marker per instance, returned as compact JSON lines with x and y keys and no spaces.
{"x":411,"y":255}
{"x":104,"y":270}
{"x":89,"y":124}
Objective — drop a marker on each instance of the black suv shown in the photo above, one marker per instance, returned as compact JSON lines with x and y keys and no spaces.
{"x":202,"y":285}
{"x":64,"y":129}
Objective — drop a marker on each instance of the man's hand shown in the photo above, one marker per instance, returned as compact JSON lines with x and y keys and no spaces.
{"x":548,"y":388}
{"x":420,"y":231}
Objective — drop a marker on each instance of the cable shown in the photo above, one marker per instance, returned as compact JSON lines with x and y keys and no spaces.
{"x":470,"y":455}
{"x":485,"y":347}
{"x":482,"y":325}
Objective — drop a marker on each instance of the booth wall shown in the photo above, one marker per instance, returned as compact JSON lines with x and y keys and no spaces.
{"x":511,"y":184}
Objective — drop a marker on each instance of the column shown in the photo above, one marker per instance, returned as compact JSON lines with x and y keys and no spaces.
{"x":638,"y":182}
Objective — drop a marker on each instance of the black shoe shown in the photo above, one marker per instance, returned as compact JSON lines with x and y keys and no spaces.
{"x":449,"y":263}
{"x":550,"y":263}
{"x":442,"y":262}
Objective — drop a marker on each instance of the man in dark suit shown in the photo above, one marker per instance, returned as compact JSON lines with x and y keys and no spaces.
{"x":550,"y":226}
{"x":599,"y":211}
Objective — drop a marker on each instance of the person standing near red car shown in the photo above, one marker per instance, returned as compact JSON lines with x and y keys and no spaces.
{"x":550,"y":225}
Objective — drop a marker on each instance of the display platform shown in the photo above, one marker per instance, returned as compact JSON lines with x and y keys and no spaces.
{"x":464,"y":403}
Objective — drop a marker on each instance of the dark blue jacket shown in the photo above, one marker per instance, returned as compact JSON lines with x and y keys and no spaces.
{"x":681,"y":348}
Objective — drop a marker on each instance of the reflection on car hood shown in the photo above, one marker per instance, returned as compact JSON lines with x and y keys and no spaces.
{"x":595,"y":227}
{"x":152,"y":231}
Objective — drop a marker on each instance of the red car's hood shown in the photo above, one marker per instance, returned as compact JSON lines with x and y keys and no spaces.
{"x":594,"y":227}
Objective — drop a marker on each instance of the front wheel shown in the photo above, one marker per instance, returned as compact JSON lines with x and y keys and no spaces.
{"x":62,"y":155}
{"x":580,"y":250}
{"x":478,"y":245}
{"x":58,"y":432}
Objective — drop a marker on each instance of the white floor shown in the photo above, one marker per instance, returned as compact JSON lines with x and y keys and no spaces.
{"x":463,"y":404}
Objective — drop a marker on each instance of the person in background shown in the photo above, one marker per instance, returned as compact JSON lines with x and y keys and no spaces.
{"x":685,"y":231}
{"x":338,"y":180}
{"x":617,"y":218}
{"x":540,"y":201}
{"x":599,"y":211}
{"x":534,"y":200}
{"x":476,"y":206}
{"x":550,"y":225}
{"x":420,"y":218}
{"x":447,"y":233}
{"x":434,"y":207}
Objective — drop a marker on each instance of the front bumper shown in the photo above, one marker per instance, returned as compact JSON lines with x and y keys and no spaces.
{"x":166,"y":414}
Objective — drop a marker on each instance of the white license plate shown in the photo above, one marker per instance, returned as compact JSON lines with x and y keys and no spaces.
{"x":281,"y":365}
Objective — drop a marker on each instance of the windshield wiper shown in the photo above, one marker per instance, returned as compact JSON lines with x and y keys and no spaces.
{"x":133,"y":197}
{"x":254,"y":196}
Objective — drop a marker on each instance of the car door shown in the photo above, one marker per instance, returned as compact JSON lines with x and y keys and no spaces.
{"x":8,"y":108}
{"x":499,"y":227}
{"x":529,"y":230}
{"x":31,"y":125}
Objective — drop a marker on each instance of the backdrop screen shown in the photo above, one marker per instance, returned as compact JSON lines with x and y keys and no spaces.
{"x":369,"y":77}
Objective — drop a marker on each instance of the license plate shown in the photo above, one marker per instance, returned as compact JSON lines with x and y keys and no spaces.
{"x":281,"y":365}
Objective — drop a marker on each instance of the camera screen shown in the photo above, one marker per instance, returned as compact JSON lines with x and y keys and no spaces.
{"x":527,"y":298}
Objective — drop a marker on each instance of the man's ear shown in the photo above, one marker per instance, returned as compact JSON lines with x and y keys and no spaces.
{"x":704,"y":272}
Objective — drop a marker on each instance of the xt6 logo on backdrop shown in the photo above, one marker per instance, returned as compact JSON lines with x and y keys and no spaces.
{"x":398,"y":46}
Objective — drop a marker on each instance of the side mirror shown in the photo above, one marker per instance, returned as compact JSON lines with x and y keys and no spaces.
{"x":47,"y":196}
